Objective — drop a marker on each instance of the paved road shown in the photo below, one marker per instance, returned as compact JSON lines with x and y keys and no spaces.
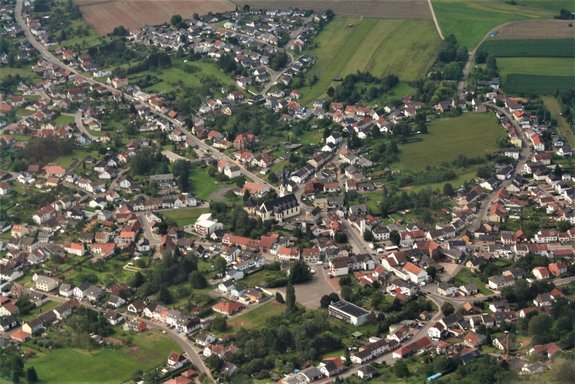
{"x":81,"y":127}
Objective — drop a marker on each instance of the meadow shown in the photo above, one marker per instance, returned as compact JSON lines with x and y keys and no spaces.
{"x":185,"y":216}
{"x":471,"y":134}
{"x":258,"y":317}
{"x":530,"y":48}
{"x":406,"y":48}
{"x":470,"y":21}
{"x":106,"y":365}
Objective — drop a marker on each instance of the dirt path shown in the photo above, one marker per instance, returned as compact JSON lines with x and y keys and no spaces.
{"x":435,"y":20}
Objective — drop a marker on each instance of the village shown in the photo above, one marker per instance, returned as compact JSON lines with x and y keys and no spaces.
{"x":74,"y":234}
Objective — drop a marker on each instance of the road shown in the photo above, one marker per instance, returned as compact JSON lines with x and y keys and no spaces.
{"x":152,"y":237}
{"x":523,"y":157}
{"x":81,"y":127}
{"x":50,"y":58}
{"x":435,"y":21}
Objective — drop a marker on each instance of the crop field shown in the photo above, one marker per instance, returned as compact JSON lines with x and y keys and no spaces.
{"x":537,"y":84}
{"x":387,"y":9}
{"x":537,"y":29}
{"x":406,"y":48}
{"x":530,"y":48}
{"x":105,"y":365}
{"x":470,"y":21}
{"x":471,"y":134}
{"x":105,"y":15}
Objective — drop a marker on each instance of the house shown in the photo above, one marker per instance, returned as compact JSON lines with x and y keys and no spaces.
{"x":473,"y":340}
{"x":113,"y":317}
{"x":7,"y":323}
{"x":137,"y":306}
{"x":227,"y":307}
{"x":446,"y":289}
{"x":541,"y":273}
{"x":66,"y":290}
{"x":469,"y":289}
{"x":335,"y":138}
{"x":331,"y":366}
{"x":174,"y":360}
{"x":348,"y":312}
{"x":366,"y":372}
{"x":45,"y":283}
{"x":116,"y":301}
{"x":534,"y":368}
{"x":437,"y":331}
{"x":557,"y":269}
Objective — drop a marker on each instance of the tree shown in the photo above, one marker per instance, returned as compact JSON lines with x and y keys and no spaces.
{"x":198,"y":280}
{"x":220,"y":324}
{"x":447,"y":309}
{"x":347,"y":356}
{"x":279,"y":298}
{"x":448,"y":190}
{"x":400,"y":369}
{"x":176,"y":21}
{"x":290,"y":297}
{"x":395,"y":237}
{"x":214,"y":362}
{"x":31,"y":375}
{"x":563,"y":226}
{"x":431,"y":271}
{"x":165,"y":296}
{"x":368,"y":236}
{"x":220,"y":265}
{"x":346,"y":292}
{"x":345,"y":280}
{"x":299,"y":273}
{"x":138,"y":280}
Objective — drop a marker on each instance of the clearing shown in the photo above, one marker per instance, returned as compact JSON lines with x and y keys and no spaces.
{"x":406,"y":48}
{"x":385,"y":9}
{"x":105,"y":15}
{"x":470,"y":21}
{"x":257,"y":317}
{"x":471,"y":134}
{"x":115,"y":365}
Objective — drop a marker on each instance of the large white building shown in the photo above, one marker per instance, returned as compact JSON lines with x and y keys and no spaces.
{"x":348,"y":312}
{"x":205,"y":226}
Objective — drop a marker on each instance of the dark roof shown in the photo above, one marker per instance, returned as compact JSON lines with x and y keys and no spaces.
{"x":349,"y":308}
{"x":280,"y":203}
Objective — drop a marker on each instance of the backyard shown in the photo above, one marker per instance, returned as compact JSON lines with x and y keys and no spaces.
{"x":257,"y":317}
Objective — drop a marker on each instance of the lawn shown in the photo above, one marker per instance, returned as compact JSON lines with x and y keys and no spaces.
{"x":471,"y":134}
{"x":104,"y":365}
{"x":470,"y":21}
{"x":203,"y":185}
{"x":262,"y":278}
{"x":257,"y":318}
{"x":64,"y":120}
{"x":67,"y":161}
{"x":38,"y":310}
{"x":466,"y":277}
{"x":406,"y":48}
{"x":552,"y":104}
{"x":530,"y":48}
{"x":25,"y":72}
{"x":185,"y":216}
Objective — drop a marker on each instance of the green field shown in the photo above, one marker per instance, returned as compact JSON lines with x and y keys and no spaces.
{"x":536,"y":75}
{"x":187,"y":74}
{"x":471,"y":134}
{"x":63,"y":120}
{"x":203,"y":185}
{"x":185,"y":216}
{"x":406,"y":48}
{"x":470,"y":21}
{"x":530,"y":48}
{"x":257,"y":317}
{"x":113,"y":365}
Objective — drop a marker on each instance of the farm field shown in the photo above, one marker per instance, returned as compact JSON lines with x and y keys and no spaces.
{"x":535,"y":75}
{"x":105,"y":15}
{"x":185,"y":216}
{"x":406,"y":48}
{"x":552,"y":104}
{"x":257,"y":317}
{"x":530,"y":48}
{"x":536,"y":29}
{"x":471,"y":134}
{"x":471,"y":21}
{"x":107,"y":365}
{"x":387,"y":9}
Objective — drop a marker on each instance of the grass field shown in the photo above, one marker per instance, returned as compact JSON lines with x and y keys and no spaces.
{"x":63,"y":120}
{"x":203,"y":185}
{"x":22,"y":72}
{"x":530,"y":48}
{"x":68,"y":365}
{"x":406,"y":48}
{"x":185,"y":216}
{"x":470,"y":21}
{"x":187,"y":74}
{"x":552,"y":104}
{"x":466,"y":277}
{"x":257,"y":317}
{"x":471,"y":134}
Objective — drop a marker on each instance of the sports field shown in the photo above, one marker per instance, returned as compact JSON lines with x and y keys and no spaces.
{"x":406,"y":48}
{"x":471,"y":134}
{"x":470,"y":21}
